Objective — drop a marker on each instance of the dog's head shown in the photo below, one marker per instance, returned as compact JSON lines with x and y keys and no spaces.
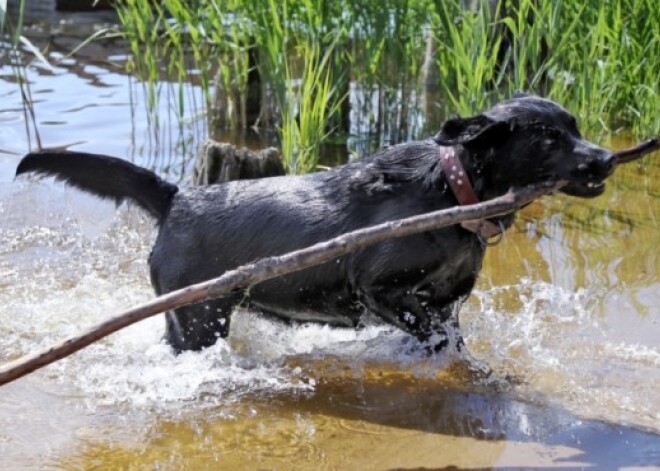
{"x":528,"y":140}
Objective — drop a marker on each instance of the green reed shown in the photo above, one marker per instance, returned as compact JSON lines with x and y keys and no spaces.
{"x":386,"y":54}
{"x":466,"y":41}
{"x":598,"y":59}
{"x":12,"y":45}
{"x":304,"y":127}
{"x":409,"y":63}
{"x":141,"y":24}
{"x":296,"y":61}
{"x":617,"y":85}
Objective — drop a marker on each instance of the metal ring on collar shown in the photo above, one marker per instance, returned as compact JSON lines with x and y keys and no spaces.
{"x":494,"y":242}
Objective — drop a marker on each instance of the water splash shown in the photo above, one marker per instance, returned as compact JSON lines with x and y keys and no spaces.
{"x":562,"y":352}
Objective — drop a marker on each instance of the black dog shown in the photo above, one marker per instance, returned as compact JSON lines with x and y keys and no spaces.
{"x":416,"y":283}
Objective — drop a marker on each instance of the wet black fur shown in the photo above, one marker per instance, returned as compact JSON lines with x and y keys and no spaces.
{"x":416,"y":283}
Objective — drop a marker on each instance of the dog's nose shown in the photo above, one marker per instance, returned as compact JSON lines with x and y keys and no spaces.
{"x":594,"y":159}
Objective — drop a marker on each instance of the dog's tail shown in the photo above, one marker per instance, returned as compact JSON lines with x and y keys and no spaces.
{"x":104,"y":176}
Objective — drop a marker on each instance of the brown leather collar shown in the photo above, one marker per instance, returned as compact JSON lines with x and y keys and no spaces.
{"x":462,"y":188}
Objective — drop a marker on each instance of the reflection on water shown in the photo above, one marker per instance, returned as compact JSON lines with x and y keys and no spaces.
{"x":386,"y":424}
{"x":568,"y":305}
{"x":90,"y":105}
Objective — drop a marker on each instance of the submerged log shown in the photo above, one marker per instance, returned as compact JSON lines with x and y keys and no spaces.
{"x":221,"y":162}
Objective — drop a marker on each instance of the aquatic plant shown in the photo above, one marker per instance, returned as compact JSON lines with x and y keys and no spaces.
{"x":597,"y":59}
{"x":300,"y":79}
{"x":12,"y":43}
{"x":306,"y":109}
{"x":397,"y":67}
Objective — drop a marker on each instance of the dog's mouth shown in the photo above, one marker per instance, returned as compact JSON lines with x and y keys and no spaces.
{"x":588,"y":179}
{"x":588,"y":189}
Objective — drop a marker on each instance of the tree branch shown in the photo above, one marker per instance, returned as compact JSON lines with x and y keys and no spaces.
{"x":637,"y":152}
{"x":271,"y":267}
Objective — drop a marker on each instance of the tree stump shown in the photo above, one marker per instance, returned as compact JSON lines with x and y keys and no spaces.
{"x":221,"y":162}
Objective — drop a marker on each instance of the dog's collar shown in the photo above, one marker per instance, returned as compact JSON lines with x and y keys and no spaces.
{"x":465,"y":195}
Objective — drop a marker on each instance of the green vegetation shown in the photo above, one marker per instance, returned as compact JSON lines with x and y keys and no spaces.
{"x":11,"y":42}
{"x":401,"y":65}
{"x":301,"y":80}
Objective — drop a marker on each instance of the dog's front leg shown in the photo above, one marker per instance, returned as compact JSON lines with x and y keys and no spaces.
{"x":437,"y":327}
{"x":199,"y":325}
{"x":432,"y":323}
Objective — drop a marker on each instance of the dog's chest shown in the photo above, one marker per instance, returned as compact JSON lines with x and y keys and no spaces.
{"x":448,"y":269}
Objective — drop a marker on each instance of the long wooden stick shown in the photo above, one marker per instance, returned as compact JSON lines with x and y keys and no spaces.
{"x":637,"y":152}
{"x":271,"y":267}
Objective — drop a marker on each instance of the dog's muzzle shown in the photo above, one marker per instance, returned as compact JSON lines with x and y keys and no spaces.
{"x":587,"y":179}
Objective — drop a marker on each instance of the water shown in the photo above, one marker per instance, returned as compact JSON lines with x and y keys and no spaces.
{"x":567,"y":307}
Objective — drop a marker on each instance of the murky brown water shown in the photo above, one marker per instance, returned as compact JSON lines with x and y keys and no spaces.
{"x":568,"y":305}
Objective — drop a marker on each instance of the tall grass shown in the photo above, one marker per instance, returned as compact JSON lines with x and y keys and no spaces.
{"x":306,"y":110}
{"x":596,"y":58}
{"x":296,"y":63}
{"x":601,"y":60}
{"x":12,"y":43}
{"x":387,"y":52}
{"x":612,"y":81}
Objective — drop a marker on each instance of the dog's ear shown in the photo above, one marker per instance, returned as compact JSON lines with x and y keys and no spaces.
{"x":477,"y":130}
